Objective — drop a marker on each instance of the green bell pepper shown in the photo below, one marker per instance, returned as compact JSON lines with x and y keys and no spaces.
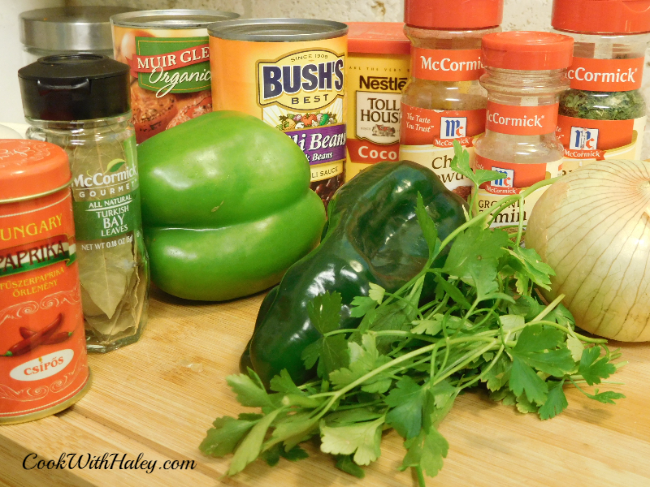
{"x":373,"y":236}
{"x":226,"y":206}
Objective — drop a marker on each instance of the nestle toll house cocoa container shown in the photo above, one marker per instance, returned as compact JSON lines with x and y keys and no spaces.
{"x":291,"y":74}
{"x":43,"y":367}
{"x":169,"y":57}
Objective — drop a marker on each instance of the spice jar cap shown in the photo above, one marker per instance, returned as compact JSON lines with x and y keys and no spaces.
{"x":602,"y":16}
{"x":378,"y":38}
{"x":29,"y":168}
{"x":527,"y":51}
{"x":74,"y":87}
{"x":453,"y":14}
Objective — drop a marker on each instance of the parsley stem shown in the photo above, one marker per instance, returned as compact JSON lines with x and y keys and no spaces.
{"x":564,"y":329}
{"x":548,"y":309}
{"x":486,"y":370}
{"x":522,"y":213}
{"x":462,"y":365}
{"x":418,"y":471}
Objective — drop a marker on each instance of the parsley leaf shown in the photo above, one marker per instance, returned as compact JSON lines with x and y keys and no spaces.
{"x":363,"y":359}
{"x":593,"y":369}
{"x":606,"y":397}
{"x":361,"y":305}
{"x":555,"y":402}
{"x":523,"y":379}
{"x":427,"y":451}
{"x":362,"y":439}
{"x":408,"y":401}
{"x":250,"y":447}
{"x":428,"y":227}
{"x":544,"y":349}
{"x":284,"y":383}
{"x":376,"y":292}
{"x":345,"y":463}
{"x":250,"y":393}
{"x":223,"y":438}
{"x":330,"y":352}
{"x":325,"y":312}
{"x":460,"y":164}
{"x":530,"y":266}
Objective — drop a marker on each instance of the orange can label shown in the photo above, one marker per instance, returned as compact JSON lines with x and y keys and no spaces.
{"x":521,"y":120}
{"x":446,"y":64}
{"x":42,"y":343}
{"x":606,"y":74}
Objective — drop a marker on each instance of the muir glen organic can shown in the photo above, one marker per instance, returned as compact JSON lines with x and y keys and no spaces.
{"x":291,"y":74}
{"x":169,"y":57}
{"x":43,"y":367}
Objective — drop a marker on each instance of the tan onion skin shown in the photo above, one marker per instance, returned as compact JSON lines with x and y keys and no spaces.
{"x":593,"y":228}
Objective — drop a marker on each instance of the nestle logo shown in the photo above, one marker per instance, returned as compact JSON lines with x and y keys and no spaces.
{"x":382,"y":83}
{"x":452,"y":128}
{"x":508,"y":179}
{"x":583,"y":138}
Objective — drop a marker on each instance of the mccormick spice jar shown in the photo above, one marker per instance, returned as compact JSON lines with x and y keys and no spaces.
{"x":444,"y":100}
{"x":81,"y":103}
{"x":525,"y":72}
{"x":603,"y":115}
{"x":291,"y":74}
{"x":43,"y":367}
{"x":169,"y":57}
{"x":378,"y":69}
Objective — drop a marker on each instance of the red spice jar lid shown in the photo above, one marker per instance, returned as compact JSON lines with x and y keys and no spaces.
{"x":527,"y":51}
{"x":602,"y":16}
{"x":30,"y":168}
{"x":378,"y":38}
{"x":453,"y":14}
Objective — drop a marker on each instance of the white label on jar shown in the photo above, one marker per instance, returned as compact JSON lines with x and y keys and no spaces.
{"x":378,"y":117}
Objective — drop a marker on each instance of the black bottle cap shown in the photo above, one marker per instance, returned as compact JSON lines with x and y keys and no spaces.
{"x":75,"y":87}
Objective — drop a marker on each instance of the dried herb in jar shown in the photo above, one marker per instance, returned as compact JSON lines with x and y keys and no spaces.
{"x":599,"y":105}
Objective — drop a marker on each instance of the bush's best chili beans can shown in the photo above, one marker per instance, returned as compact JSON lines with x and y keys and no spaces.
{"x":290,"y":73}
{"x":169,"y":57}
{"x":43,"y":367}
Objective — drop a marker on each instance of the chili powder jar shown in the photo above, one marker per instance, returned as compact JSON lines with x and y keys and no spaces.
{"x":525,"y":73}
{"x":444,"y":100}
{"x":603,"y":115}
{"x":379,"y":66}
{"x":43,"y":368}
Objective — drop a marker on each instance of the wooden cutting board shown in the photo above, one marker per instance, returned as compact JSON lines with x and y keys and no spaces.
{"x":158,"y":397}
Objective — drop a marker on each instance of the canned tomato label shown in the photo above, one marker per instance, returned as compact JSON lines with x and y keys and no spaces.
{"x":43,"y":365}
{"x":291,"y":74}
{"x":169,"y":57}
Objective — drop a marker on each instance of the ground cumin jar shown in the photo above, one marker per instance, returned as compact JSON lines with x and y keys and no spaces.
{"x":43,"y":367}
{"x":379,"y":64}
{"x":169,"y":57}
{"x":291,"y":74}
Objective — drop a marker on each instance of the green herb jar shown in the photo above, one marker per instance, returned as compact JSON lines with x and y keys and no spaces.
{"x":81,"y":103}
{"x":603,"y":115}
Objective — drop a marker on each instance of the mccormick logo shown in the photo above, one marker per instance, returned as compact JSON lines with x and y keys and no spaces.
{"x":446,"y":64}
{"x":382,"y":83}
{"x":452,"y":128}
{"x":304,"y":80}
{"x":582,"y":74}
{"x":583,"y":139}
{"x":508,"y":179}
{"x":525,"y":121}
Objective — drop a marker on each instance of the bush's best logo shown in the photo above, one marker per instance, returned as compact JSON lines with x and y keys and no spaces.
{"x":304,"y":80}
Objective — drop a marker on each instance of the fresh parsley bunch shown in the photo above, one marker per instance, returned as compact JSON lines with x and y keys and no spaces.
{"x":410,"y":357}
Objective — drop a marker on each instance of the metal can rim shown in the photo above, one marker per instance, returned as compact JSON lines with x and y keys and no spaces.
{"x":254,"y":30}
{"x":35,"y":196}
{"x":138,"y":19}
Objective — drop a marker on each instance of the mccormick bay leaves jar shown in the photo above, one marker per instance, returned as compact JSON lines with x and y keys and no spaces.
{"x":379,"y":64}
{"x":444,"y":100}
{"x":291,"y":74}
{"x":169,"y":57}
{"x":525,"y":73}
{"x":81,"y":103}
{"x":603,"y":115}
{"x":43,"y":367}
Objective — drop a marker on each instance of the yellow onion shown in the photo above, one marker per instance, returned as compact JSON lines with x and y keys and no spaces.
{"x":593,"y":228}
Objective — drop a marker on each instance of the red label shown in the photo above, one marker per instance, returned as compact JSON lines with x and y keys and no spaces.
{"x":369,"y":153}
{"x":446,"y":64}
{"x":42,"y":342}
{"x":589,"y":139}
{"x":170,"y":60}
{"x":421,"y":126}
{"x":606,"y":74}
{"x":521,"y":120}
{"x":516,"y":176}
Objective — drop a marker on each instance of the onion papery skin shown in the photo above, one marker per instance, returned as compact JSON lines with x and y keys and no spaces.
{"x":593,"y":227}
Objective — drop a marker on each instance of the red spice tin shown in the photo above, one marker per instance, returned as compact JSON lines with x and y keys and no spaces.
{"x":43,"y":367}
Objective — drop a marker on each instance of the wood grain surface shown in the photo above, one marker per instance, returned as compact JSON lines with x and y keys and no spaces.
{"x":158,"y":397}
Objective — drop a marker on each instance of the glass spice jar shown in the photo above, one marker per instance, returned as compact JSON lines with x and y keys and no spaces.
{"x":81,"y":103}
{"x":443,"y":100}
{"x":525,"y":72}
{"x":603,"y":115}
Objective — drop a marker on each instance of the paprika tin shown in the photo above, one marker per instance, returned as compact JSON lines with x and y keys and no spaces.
{"x":43,"y":367}
{"x":291,"y":74}
{"x":169,"y":57}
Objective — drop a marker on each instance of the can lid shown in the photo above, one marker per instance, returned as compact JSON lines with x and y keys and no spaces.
{"x":69,"y":28}
{"x":74,"y":87}
{"x":602,"y":16}
{"x":378,"y":38}
{"x":527,"y":51}
{"x":29,"y":168}
{"x":453,"y":14}
{"x":175,"y":18}
{"x":277,"y":30}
